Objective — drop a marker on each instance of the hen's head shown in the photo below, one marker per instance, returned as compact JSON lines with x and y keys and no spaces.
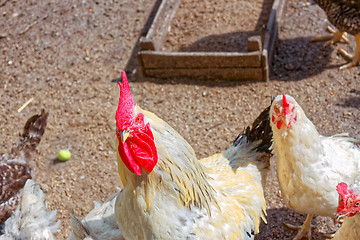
{"x":349,"y":200}
{"x":283,"y":111}
{"x":136,"y":141}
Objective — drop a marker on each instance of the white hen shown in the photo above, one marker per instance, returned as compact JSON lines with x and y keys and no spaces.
{"x":309,"y":165}
{"x":31,"y":220}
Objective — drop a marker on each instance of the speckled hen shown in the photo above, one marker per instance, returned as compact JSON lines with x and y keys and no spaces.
{"x":14,"y":165}
{"x":345,"y":15}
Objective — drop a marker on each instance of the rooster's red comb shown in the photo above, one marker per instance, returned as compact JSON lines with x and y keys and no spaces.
{"x":124,"y":112}
{"x":285,"y":101}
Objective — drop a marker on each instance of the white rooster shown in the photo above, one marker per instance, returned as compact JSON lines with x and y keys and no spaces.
{"x":309,"y":165}
{"x":170,"y":194}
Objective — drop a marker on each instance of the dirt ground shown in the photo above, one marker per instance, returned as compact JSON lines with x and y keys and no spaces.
{"x":213,"y":26}
{"x":67,"y":56}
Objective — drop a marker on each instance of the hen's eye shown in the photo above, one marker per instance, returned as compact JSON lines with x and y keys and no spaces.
{"x":357,"y":204}
{"x":138,"y":119}
{"x":277,"y":110}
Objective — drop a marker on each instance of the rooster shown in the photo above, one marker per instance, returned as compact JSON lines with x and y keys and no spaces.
{"x":309,"y":165}
{"x":14,"y":166}
{"x":349,"y":207}
{"x":345,"y":15}
{"x":31,"y":220}
{"x":169,"y":194}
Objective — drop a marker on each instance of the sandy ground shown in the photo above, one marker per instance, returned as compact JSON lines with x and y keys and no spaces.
{"x":68,"y":55}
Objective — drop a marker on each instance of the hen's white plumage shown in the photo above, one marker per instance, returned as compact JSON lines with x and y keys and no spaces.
{"x":31,"y":220}
{"x":350,"y":229}
{"x":98,"y":224}
{"x":309,"y":166}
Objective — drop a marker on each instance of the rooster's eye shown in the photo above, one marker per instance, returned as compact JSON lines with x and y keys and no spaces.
{"x":138,"y":119}
{"x":357,"y":204}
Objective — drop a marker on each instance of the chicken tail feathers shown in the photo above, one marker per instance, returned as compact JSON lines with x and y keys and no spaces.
{"x":81,"y":230}
{"x":259,"y":131}
{"x":33,"y":131}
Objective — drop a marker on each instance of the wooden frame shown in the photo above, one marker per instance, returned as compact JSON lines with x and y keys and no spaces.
{"x":251,"y":65}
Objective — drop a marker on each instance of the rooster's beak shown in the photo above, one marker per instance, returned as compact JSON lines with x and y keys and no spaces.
{"x":124,"y":135}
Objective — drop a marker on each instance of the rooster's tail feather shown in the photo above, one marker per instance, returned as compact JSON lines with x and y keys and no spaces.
{"x":260,"y":132}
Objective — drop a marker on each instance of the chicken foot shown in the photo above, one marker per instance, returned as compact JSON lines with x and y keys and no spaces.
{"x":334,"y":38}
{"x":304,"y":230}
{"x":354,"y":59}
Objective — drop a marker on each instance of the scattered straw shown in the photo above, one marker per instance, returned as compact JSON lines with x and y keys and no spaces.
{"x":25,"y":104}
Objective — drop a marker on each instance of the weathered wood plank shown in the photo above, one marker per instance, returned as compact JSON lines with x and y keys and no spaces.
{"x":253,"y":65}
{"x":209,"y":73}
{"x":162,"y":60}
{"x":269,"y":29}
{"x":273,"y":25}
{"x":272,"y":43}
{"x":271,"y":35}
{"x":160,"y":26}
{"x":279,"y":6}
{"x":254,"y":43}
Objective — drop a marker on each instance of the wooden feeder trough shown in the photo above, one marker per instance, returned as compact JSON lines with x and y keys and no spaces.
{"x":251,"y":65}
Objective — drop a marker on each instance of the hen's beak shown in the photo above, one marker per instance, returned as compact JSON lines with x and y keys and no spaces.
{"x":124,"y":135}
{"x":339,"y":218}
{"x":287,"y":121}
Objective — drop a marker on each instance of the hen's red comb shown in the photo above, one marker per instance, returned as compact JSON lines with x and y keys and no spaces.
{"x":342,"y":189}
{"x":285,"y":101}
{"x":124,"y":112}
